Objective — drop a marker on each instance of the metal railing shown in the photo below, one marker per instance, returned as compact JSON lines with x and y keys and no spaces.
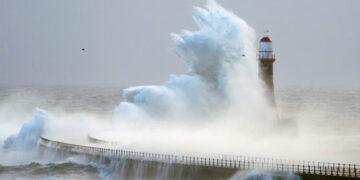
{"x":221,"y":161}
{"x":266,"y":55}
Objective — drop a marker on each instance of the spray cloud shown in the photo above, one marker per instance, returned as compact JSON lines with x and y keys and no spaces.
{"x":222,"y":75}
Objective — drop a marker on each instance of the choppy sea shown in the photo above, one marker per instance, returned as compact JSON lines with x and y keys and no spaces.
{"x":333,"y":111}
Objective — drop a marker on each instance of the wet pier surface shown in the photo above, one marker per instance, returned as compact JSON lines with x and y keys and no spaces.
{"x":202,"y":166}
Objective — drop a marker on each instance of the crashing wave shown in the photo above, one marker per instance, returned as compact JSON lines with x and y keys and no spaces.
{"x":29,"y":132}
{"x":222,"y":74}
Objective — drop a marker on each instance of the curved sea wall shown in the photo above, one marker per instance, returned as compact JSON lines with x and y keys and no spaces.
{"x":208,"y":165}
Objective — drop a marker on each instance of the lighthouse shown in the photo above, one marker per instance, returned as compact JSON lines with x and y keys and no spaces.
{"x":266,"y":59}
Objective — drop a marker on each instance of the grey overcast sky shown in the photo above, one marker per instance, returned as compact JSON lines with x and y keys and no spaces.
{"x":127,"y":42}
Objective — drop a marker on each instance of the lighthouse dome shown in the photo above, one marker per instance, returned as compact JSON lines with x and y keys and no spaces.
{"x":265,"y":39}
{"x":265,"y":44}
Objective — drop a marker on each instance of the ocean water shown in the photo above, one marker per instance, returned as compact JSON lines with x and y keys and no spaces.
{"x":333,"y":112}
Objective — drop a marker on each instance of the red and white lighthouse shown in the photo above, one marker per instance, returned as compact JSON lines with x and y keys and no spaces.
{"x":266,"y":59}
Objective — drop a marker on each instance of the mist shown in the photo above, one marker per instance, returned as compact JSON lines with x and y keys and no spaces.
{"x":215,"y":106}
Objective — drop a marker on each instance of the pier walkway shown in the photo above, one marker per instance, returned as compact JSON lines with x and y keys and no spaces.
{"x":324,"y":170}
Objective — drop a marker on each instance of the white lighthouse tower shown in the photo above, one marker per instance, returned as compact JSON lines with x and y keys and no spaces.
{"x":266,"y":60}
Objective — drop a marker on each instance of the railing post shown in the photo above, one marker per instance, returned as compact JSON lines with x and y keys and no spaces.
{"x":326,"y":170}
{"x":355,"y":170}
{"x":287,"y":166}
{"x":337,"y":169}
{"x":314,"y":167}
{"x":253,"y":163}
{"x":298,"y":168}
{"x":303,"y":171}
